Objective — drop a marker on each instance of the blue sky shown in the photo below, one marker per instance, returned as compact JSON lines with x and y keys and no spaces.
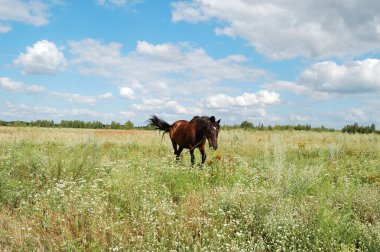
{"x":271,"y":62}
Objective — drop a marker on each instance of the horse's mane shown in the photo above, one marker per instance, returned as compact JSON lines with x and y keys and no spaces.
{"x":204,"y":124}
{"x":204,"y":118}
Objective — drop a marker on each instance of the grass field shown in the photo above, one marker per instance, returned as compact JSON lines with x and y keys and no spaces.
{"x":104,"y":190}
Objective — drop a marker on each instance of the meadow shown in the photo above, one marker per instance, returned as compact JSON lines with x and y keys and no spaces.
{"x":122,"y":190}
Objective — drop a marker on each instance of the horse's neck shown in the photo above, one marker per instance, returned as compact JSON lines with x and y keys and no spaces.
{"x":201,"y":129}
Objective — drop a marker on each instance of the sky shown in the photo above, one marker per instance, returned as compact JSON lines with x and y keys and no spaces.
{"x":271,"y":62}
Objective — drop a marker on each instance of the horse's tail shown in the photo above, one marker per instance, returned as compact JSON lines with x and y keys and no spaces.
{"x":159,"y":124}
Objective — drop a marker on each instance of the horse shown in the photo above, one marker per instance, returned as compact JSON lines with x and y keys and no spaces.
{"x":190,"y":135}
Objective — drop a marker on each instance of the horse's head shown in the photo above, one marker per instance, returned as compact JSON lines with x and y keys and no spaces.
{"x":212,"y":132}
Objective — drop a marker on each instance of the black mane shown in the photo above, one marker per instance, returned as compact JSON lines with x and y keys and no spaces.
{"x":207,"y":118}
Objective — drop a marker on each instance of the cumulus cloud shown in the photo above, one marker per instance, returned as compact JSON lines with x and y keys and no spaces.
{"x":165,"y":105}
{"x":126,"y":114}
{"x":154,"y":73}
{"x":112,"y":2}
{"x":42,"y":58}
{"x":329,"y":80}
{"x":355,"y":115}
{"x":19,"y":87}
{"x":15,"y":86}
{"x":351,"y":77}
{"x":190,"y":11}
{"x":105,"y":96}
{"x":299,"y":118}
{"x":161,"y":51}
{"x":287,"y":29}
{"x":182,"y":69}
{"x":127,"y":92}
{"x":32,"y":112}
{"x":4,"y":28}
{"x":261,"y":98}
{"x":365,"y":115}
{"x":77,"y":98}
{"x":92,"y":51}
{"x":29,"y":12}
{"x":116,"y":3}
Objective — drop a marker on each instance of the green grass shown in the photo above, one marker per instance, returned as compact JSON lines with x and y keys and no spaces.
{"x":75,"y":190}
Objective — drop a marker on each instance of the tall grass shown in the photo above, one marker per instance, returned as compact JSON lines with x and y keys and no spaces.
{"x":66,"y":189}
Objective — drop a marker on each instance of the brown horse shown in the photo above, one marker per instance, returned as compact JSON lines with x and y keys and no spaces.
{"x":190,"y":135}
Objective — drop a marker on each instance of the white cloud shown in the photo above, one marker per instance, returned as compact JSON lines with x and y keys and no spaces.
{"x":127,"y":92}
{"x":4,"y":28}
{"x":161,"y":51}
{"x":189,"y":11}
{"x":92,"y":51}
{"x":105,"y":96}
{"x":351,"y":77}
{"x":155,"y":73}
{"x":94,"y":58}
{"x":33,"y":112}
{"x":287,"y":29}
{"x":261,"y":98}
{"x":112,"y":2}
{"x":42,"y":58}
{"x":82,"y":99}
{"x":126,"y":114}
{"x":329,"y":80}
{"x":355,"y":115}
{"x":15,"y":86}
{"x":116,"y":3}
{"x":29,"y":12}
{"x":180,"y":68}
{"x":364,"y":115}
{"x":165,"y":105}
{"x":364,"y":112}
{"x":19,"y":87}
{"x":288,"y":85}
{"x":248,"y":106}
{"x":299,"y":118}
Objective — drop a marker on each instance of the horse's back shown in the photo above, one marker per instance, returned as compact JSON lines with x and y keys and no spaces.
{"x":177,"y":126}
{"x":182,"y":133}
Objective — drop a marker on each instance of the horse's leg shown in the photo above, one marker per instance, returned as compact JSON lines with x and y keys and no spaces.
{"x":203,"y":152}
{"x":178,"y":152}
{"x":175,"y":149}
{"x":192,"y":157}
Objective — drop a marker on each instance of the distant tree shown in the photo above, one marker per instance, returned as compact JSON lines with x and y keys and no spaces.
{"x":261,"y":127}
{"x":128,"y":125}
{"x":97,"y":125}
{"x":115,"y":125}
{"x":373,"y":128}
{"x":246,"y":125}
{"x":18,"y":124}
{"x":64,"y":124}
{"x":355,"y":128}
{"x":43,"y":123}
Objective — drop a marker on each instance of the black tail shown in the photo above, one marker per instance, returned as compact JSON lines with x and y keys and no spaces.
{"x":159,"y":124}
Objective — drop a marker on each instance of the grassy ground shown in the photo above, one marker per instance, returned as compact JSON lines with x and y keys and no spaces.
{"x":66,"y":189}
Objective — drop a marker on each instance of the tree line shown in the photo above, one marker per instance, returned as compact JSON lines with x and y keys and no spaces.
{"x":351,"y":128}
{"x":250,"y":126}
{"x":78,"y":124}
{"x":354,"y":128}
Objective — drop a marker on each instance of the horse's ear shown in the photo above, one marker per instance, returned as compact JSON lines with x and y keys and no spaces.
{"x":218,"y":121}
{"x":212,"y":119}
